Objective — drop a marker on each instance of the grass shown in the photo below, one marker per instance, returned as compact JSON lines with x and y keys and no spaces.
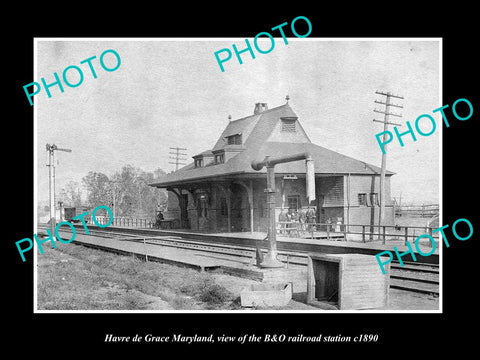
{"x":207,"y":291}
{"x":77,"y":278}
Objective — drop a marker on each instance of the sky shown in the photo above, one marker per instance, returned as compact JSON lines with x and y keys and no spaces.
{"x":171,"y":93}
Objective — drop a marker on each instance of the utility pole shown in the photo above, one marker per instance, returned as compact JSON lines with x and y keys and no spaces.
{"x":51,"y":182}
{"x":113,"y":188}
{"x":177,"y":156}
{"x":387,"y":113}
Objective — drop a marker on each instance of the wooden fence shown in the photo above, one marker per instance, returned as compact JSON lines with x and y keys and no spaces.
{"x":417,"y":210}
{"x":331,"y":231}
{"x":136,"y":223}
{"x":355,"y":232}
{"x":126,"y":222}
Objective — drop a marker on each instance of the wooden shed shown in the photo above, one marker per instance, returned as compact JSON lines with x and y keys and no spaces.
{"x":347,"y":281}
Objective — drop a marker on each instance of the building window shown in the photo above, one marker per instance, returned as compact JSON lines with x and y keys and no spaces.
{"x":219,"y":159}
{"x":293,"y":202}
{"x":362,"y":199}
{"x":374,"y":199}
{"x":234,"y":139}
{"x":198,"y":162}
{"x":289,"y":125}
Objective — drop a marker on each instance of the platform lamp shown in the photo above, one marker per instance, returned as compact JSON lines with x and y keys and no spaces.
{"x":270,"y":260}
{"x":51,"y":182}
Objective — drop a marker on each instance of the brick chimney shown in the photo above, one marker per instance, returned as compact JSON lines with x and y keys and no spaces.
{"x":259,"y":108}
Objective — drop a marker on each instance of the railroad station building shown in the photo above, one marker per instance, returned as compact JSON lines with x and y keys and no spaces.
{"x":220,"y":192}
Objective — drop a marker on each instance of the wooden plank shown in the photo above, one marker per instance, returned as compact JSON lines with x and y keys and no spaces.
{"x":243,"y":273}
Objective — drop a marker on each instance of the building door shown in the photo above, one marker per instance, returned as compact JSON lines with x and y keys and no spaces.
{"x":202,"y":208}
{"x":184,"y":213}
{"x":237,"y":211}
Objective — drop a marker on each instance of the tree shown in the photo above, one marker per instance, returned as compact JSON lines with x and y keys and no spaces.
{"x":70,"y":194}
{"x":162,"y":193}
{"x":99,"y":190}
{"x":130,"y":188}
{"x":150,"y":197}
{"x":125,"y":191}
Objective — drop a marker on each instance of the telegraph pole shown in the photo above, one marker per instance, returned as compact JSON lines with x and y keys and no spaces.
{"x":51,"y":182}
{"x":114,"y":193}
{"x":387,"y":113}
{"x":177,"y":156}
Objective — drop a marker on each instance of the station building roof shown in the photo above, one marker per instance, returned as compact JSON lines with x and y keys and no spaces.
{"x":273,"y":132}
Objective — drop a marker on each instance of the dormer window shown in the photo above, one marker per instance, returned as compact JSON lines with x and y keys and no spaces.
{"x":234,"y":139}
{"x":219,"y":158}
{"x":289,"y":125}
{"x":198,"y":162}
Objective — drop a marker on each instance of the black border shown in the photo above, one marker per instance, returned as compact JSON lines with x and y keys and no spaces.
{"x":80,"y":333}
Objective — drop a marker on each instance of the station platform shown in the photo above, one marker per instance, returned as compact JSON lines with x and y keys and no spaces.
{"x":190,"y":258}
{"x":246,"y":268}
{"x":335,"y":245}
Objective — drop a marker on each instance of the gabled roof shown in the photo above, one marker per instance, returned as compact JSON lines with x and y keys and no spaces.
{"x":263,"y":124}
{"x":241,"y":126}
{"x":256,"y":130}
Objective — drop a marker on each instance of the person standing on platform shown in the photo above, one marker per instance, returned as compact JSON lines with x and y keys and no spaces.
{"x":295,"y":223}
{"x":310,"y":218}
{"x":289,"y":215}
{"x":159,"y":219}
{"x":302,"y":218}
{"x":295,"y":216}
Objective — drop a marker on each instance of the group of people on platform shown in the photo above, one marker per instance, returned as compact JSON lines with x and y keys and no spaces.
{"x":305,"y":218}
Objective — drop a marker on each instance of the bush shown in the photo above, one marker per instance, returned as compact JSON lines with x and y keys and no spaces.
{"x":205,"y":289}
{"x":214,"y":294}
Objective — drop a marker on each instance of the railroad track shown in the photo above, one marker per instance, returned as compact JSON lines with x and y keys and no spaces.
{"x":413,"y":276}
{"x":418,"y":277}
